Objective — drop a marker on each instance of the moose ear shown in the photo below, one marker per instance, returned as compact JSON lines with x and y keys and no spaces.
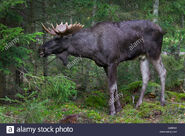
{"x":63,"y":57}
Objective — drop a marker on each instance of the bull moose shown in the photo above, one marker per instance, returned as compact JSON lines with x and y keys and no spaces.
{"x":108,"y":44}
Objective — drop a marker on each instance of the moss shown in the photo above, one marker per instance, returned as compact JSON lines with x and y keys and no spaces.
{"x":70,"y":108}
{"x":173,"y":113}
{"x":94,"y":115}
{"x":147,"y":113}
{"x":135,"y":120}
{"x":129,"y":115}
{"x":5,"y":112}
{"x":130,"y":111}
{"x":174,"y":96}
{"x":150,"y":110}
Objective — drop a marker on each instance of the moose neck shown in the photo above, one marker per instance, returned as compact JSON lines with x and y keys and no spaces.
{"x":79,"y":45}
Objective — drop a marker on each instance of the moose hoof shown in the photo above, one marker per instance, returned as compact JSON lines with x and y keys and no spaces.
{"x":112,"y":113}
{"x":138,"y":104}
{"x":118,"y":109}
{"x":163,"y":103}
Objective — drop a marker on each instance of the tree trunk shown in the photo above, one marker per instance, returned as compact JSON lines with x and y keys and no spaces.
{"x":177,"y":54}
{"x":71,"y":20}
{"x":156,"y":11}
{"x":18,"y":80}
{"x":184,"y":45}
{"x":2,"y":84}
{"x":182,"y":21}
{"x":45,"y":67}
{"x":32,"y":30}
{"x":155,"y":20}
{"x":94,"y":12}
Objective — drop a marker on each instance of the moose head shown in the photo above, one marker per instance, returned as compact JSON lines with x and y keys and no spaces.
{"x":58,"y":45}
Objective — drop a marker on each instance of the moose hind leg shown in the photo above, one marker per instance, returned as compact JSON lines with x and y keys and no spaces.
{"x":144,"y":66}
{"x":162,"y":74}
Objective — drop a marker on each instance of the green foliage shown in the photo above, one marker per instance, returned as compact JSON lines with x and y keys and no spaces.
{"x":60,"y":89}
{"x":147,"y":110}
{"x":130,"y":77}
{"x":3,"y":117}
{"x":17,"y":49}
{"x":154,"y":88}
{"x":70,"y":108}
{"x":35,"y":111}
{"x":132,"y":86}
{"x":96,"y":99}
{"x":106,"y":12}
{"x":57,"y":88}
{"x":174,"y":113}
{"x":90,"y":115}
{"x":175,"y":31}
{"x":94,"y":115}
{"x":177,"y":97}
{"x":128,"y":72}
{"x":33,"y":108}
{"x":175,"y":72}
{"x":12,"y":49}
{"x":10,"y":53}
{"x":133,"y":89}
{"x":6,"y":5}
{"x":130,"y":115}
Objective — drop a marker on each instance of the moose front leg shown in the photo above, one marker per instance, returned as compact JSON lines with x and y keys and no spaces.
{"x":117,"y":102}
{"x":114,"y":103}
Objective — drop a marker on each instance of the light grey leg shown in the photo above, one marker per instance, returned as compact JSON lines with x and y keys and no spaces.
{"x":112,"y":89}
{"x":144,"y":66}
{"x":117,"y":101}
{"x":162,"y":74}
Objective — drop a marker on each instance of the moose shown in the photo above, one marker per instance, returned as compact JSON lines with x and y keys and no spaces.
{"x":108,"y":44}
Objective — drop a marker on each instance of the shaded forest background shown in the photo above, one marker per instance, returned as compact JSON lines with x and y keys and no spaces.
{"x":34,"y":83}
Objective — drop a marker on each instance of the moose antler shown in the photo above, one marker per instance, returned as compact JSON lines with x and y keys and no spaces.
{"x":63,"y":29}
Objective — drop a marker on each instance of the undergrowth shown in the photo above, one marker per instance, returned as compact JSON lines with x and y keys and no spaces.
{"x":40,"y":111}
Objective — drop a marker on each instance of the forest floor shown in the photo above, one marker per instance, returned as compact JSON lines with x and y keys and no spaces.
{"x":48,"y":112}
